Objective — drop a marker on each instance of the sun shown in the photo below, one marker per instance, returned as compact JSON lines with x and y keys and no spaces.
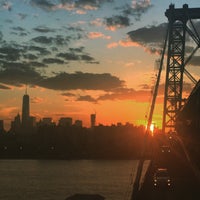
{"x":152,"y":128}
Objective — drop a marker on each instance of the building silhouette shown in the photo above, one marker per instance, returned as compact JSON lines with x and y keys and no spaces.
{"x":1,"y":126}
{"x":93,"y":120}
{"x":78,"y":123}
{"x":65,"y":121}
{"x":25,"y":110}
{"x":46,"y":121}
{"x":16,"y":124}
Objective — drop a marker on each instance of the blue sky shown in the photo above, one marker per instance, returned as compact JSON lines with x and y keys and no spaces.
{"x":81,"y":56}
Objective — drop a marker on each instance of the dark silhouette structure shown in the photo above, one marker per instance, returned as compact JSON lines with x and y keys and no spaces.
{"x":180,"y":27}
{"x":93,"y":120}
{"x":188,"y":119}
{"x":25,"y":110}
{"x":180,"y":24}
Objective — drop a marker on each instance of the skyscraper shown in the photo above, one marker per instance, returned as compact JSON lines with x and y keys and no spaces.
{"x":93,"y":120}
{"x":25,"y":110}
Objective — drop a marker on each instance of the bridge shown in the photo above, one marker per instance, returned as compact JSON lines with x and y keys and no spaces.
{"x":181,"y":115}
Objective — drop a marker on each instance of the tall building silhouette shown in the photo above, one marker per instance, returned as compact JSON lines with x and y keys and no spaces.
{"x":93,"y":120}
{"x":1,"y":126}
{"x":25,"y":110}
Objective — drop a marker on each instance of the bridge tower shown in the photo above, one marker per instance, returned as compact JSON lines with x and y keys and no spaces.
{"x":180,"y":26}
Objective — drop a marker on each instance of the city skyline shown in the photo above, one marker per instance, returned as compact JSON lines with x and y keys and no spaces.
{"x":27,"y":121}
{"x":82,"y":57}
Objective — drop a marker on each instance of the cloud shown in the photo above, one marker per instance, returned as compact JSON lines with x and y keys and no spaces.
{"x":124,"y":43}
{"x":35,"y":64}
{"x":6,"y":5}
{"x":87,"y":98}
{"x":19,"y":75}
{"x":83,"y":81}
{"x":43,"y":29}
{"x":114,"y":94}
{"x":7,"y":112}
{"x":117,"y":94}
{"x":151,"y":38}
{"x":22,"y":16}
{"x":94,"y":35}
{"x":19,"y":31}
{"x":138,"y":8}
{"x":37,"y":100}
{"x":112,"y":45}
{"x":128,"y":43}
{"x":4,"y":87}
{"x":18,"y":28}
{"x":126,"y":12}
{"x":96,"y":22}
{"x":53,"y":60}
{"x":149,"y":35}
{"x":30,"y":56}
{"x":116,"y":22}
{"x":42,"y":50}
{"x":76,"y":50}
{"x":87,"y":58}
{"x":13,"y":54}
{"x":195,"y":60}
{"x":124,"y":94}
{"x":10,"y":52}
{"x":78,"y":5}
{"x":1,"y":36}
{"x":57,"y":40}
{"x":69,"y":56}
{"x":9,"y":21}
{"x":74,"y":55}
{"x":43,"y":39}
{"x":81,"y":12}
{"x":68,"y":94}
{"x":43,"y":4}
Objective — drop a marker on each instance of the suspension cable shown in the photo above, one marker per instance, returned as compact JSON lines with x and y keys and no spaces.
{"x":157,"y":83}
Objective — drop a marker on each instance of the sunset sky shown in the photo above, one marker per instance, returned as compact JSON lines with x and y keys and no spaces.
{"x":79,"y":57}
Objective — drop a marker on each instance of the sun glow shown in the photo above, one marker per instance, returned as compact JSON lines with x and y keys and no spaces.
{"x":152,"y":128}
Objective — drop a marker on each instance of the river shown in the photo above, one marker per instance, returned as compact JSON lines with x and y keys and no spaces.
{"x":59,"y":179}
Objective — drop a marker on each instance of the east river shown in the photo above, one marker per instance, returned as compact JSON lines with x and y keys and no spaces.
{"x":59,"y":179}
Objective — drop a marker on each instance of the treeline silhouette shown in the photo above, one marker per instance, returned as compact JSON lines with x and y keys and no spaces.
{"x":73,"y":142}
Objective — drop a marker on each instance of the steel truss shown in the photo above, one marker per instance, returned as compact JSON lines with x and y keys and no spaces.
{"x":177,"y":29}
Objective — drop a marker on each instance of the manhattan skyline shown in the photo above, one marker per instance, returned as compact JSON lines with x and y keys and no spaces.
{"x":82,"y":57}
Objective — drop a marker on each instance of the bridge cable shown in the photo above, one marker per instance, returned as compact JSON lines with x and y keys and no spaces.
{"x":135,"y":191}
{"x":155,"y":92}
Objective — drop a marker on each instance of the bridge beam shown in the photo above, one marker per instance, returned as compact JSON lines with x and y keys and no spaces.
{"x":178,"y":28}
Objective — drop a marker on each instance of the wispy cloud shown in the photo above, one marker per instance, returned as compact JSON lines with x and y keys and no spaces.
{"x":84,"y":5}
{"x":116,"y":22}
{"x":94,"y":35}
{"x":6,"y":5}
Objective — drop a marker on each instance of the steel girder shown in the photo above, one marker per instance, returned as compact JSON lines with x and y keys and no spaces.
{"x":174,"y":72}
{"x":175,"y":68}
